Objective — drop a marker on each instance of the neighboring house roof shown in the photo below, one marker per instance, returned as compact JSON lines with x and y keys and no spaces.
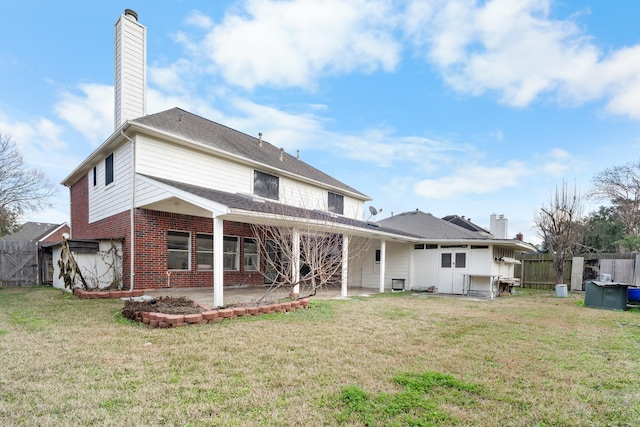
{"x":191,"y":127}
{"x":261,"y":206}
{"x":428,"y":226}
{"x":33,"y":232}
{"x":466,"y":223}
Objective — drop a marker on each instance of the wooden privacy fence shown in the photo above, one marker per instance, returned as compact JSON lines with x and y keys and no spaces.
{"x":536,"y":270}
{"x":18,"y":263}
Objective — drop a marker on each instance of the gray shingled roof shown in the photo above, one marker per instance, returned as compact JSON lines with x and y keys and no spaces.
{"x":31,"y":232}
{"x":465,"y":223}
{"x":428,"y":226}
{"x":238,"y":201}
{"x":183,"y":124}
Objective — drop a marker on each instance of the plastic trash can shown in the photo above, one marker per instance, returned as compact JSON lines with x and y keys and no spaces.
{"x":561,"y":291}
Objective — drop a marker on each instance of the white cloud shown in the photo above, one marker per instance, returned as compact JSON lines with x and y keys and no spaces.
{"x":515,"y":49}
{"x":40,"y":142}
{"x":472,"y":180}
{"x":293,"y":43}
{"x":199,"y":20}
{"x":91,"y":112}
{"x":381,"y":147}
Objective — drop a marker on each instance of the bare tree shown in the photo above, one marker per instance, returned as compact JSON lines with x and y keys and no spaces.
{"x":560,"y":225}
{"x":620,"y":185}
{"x":303,"y":250}
{"x":21,"y":189}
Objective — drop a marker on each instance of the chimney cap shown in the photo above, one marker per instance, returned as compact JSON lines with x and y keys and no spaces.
{"x":131,"y":13}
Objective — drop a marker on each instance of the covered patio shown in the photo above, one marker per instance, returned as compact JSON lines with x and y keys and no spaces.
{"x":245,"y":294}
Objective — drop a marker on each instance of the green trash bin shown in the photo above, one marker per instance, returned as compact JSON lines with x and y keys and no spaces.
{"x":607,"y":295}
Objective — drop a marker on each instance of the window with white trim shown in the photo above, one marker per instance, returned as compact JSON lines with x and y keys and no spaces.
{"x":265,"y":185}
{"x":336,"y":203}
{"x":178,"y":250}
{"x":108,"y":169}
{"x":251,"y":258}
{"x":231,"y":249}
{"x":204,"y":251}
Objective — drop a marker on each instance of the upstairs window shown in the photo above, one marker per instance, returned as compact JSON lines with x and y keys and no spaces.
{"x":178,"y":250}
{"x":95,"y":176}
{"x":108,"y":169}
{"x":265,"y":185}
{"x":336,"y":203}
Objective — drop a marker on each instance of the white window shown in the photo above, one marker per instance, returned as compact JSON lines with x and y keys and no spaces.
{"x":231,"y":249}
{"x":251,"y":258}
{"x":336,"y":203}
{"x":265,"y":185}
{"x":204,"y":251}
{"x":178,"y":253}
{"x":108,"y":169}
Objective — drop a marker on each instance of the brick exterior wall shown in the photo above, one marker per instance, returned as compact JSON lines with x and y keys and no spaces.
{"x":151,"y":229}
{"x":151,"y":251}
{"x":57,"y":236}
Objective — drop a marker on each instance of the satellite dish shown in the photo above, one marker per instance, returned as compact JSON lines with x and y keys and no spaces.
{"x":373,"y":211}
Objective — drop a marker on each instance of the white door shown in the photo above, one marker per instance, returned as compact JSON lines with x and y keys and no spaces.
{"x":453,"y":265}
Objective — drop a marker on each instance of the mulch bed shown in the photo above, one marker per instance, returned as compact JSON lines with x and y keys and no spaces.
{"x":166,"y":305}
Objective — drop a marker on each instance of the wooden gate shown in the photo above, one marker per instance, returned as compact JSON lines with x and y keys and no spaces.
{"x":18,"y":263}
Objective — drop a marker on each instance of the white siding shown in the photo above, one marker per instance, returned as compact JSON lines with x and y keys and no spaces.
{"x":307,"y":196}
{"x":97,"y":268}
{"x":425,"y":268}
{"x":176,"y":163}
{"x":130,"y":70}
{"x":114,"y":198}
{"x":397,"y":265}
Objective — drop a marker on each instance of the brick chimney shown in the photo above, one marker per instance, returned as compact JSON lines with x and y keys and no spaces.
{"x":520,"y":237}
{"x":130,"y":68}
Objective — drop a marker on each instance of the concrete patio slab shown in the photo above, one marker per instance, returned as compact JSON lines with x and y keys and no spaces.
{"x":233,"y":295}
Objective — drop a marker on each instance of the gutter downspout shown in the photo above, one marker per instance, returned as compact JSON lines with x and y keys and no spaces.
{"x":132,"y":211}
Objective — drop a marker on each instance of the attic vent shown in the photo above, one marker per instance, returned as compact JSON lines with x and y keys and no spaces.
{"x":281,"y":154}
{"x":260,"y":139}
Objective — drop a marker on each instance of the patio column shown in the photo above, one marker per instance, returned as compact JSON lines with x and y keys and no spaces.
{"x":218,"y":262}
{"x":295,"y":262}
{"x":383,"y":263}
{"x":345,"y":265}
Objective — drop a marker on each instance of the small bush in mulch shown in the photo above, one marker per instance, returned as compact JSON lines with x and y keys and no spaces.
{"x":166,"y":305}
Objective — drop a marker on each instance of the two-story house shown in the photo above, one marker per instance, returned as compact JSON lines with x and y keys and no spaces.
{"x":180,"y":194}
{"x":180,"y":191}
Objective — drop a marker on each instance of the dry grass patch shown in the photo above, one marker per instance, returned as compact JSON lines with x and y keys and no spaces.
{"x":533,"y":360}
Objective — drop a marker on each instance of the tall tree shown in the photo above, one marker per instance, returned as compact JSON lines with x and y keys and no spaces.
{"x":22,"y":189}
{"x":603,"y":230}
{"x":559,"y":225}
{"x":620,"y":186}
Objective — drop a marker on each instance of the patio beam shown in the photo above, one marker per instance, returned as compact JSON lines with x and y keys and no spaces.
{"x":345,"y":265}
{"x":218,"y":262}
{"x":383,"y":262}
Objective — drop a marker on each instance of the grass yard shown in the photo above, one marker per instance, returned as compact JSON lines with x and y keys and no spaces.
{"x":396,"y":359}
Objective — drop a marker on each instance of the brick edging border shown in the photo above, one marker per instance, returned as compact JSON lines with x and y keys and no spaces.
{"x":161,"y":320}
{"x":84,"y":294}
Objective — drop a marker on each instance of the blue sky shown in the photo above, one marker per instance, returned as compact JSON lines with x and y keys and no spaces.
{"x":451,"y":107}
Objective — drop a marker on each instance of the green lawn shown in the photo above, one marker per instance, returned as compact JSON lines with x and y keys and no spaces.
{"x":396,"y":359}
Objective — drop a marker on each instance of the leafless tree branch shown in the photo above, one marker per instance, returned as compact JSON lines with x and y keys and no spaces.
{"x":560,"y":225}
